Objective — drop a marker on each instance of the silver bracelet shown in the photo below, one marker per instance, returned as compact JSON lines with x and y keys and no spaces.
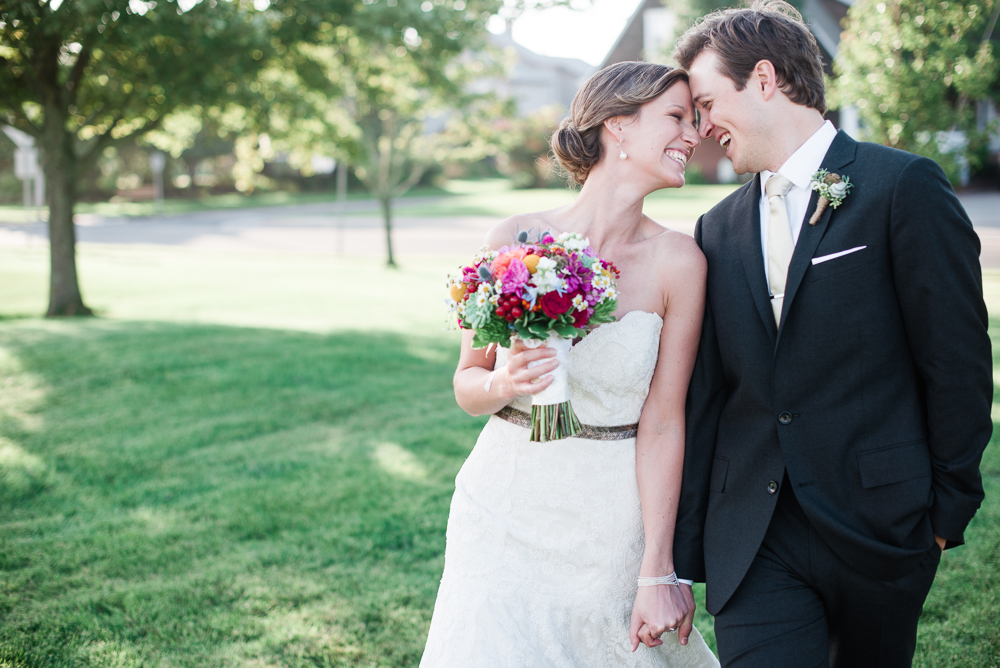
{"x":662,"y":580}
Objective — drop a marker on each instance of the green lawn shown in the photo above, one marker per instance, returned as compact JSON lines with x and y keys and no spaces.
{"x":248,"y":460}
{"x":486,"y":197}
{"x":17,"y":214}
{"x":494,"y":198}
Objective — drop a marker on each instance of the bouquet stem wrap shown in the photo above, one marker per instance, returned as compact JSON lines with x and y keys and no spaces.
{"x":552,"y":416}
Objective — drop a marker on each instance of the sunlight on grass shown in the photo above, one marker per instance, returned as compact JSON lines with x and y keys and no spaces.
{"x":248,"y":461}
{"x":399,"y":462}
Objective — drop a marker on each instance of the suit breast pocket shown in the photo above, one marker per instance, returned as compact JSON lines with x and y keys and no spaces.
{"x":827,"y":268}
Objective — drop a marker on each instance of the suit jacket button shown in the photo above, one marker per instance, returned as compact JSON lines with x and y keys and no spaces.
{"x":772,"y":487}
{"x":785,"y":418}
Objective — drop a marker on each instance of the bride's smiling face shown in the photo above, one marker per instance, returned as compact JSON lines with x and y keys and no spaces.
{"x":660,"y":140}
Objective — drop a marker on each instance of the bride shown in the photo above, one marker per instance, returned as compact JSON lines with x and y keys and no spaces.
{"x":547,"y":542}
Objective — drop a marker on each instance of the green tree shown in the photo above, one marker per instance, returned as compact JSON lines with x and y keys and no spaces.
{"x":913,"y":69}
{"x":81,"y":75}
{"x":523,"y":153}
{"x":390,"y":93}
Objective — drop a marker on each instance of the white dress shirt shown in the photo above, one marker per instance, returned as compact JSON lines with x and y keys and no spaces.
{"x":799,"y":169}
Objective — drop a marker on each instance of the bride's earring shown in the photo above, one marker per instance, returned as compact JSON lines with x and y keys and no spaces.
{"x":621,"y":155}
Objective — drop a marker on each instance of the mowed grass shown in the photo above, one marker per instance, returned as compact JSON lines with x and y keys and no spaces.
{"x":494,"y":198}
{"x":10,"y":213}
{"x":248,"y":460}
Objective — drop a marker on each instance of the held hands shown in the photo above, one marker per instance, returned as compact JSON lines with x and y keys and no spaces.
{"x":518,"y":378}
{"x":659,"y":609}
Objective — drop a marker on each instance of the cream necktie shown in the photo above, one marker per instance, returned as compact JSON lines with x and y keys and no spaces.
{"x":779,"y":241}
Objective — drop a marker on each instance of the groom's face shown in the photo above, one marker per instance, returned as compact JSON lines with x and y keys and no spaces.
{"x":732,"y":118}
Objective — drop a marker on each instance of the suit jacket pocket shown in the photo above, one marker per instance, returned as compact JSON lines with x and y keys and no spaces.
{"x":719,"y":470}
{"x":838,"y":265}
{"x":895,"y":463}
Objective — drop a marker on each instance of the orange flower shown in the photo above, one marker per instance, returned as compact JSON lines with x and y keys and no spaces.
{"x":500,"y":265}
{"x":458,"y":291}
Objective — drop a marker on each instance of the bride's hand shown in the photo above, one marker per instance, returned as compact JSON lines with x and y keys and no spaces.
{"x":659,"y":609}
{"x":518,"y":378}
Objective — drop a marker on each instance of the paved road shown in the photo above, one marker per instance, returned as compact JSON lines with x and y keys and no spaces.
{"x":316,"y":229}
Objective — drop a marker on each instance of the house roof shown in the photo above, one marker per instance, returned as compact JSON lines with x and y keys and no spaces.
{"x":822,"y":16}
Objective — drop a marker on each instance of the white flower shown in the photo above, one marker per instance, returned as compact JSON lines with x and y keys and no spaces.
{"x":481,"y":300}
{"x":838,"y":190}
{"x":546,"y":264}
{"x":573,"y":241}
{"x":601,"y":282}
{"x":579,"y":303}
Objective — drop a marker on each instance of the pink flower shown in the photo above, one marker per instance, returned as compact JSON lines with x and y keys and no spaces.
{"x":499,"y":266}
{"x":516,"y":277}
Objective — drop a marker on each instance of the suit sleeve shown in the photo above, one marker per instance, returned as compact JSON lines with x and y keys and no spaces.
{"x":935,"y":263}
{"x":706,"y":397}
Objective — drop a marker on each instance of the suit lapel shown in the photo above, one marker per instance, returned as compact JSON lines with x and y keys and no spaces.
{"x":840,"y":155}
{"x":748,"y":231}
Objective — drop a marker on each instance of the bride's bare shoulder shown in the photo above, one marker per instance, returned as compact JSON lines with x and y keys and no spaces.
{"x":678,"y":253}
{"x":505,"y":232}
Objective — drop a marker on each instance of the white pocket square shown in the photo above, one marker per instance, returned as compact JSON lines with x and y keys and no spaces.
{"x":834,"y":256}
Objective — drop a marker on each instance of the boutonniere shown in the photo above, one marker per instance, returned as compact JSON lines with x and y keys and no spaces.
{"x":832,"y":189}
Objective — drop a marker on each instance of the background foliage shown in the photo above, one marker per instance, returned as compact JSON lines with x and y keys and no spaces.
{"x":915,"y":69}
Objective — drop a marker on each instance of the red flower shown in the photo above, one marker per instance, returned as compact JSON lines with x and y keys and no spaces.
{"x":580,"y":317}
{"x":555,"y":304}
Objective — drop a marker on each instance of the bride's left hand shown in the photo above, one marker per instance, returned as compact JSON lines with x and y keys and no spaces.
{"x":658,"y":609}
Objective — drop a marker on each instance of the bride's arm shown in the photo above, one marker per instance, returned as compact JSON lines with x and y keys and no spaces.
{"x":475,"y":367}
{"x":660,"y":447}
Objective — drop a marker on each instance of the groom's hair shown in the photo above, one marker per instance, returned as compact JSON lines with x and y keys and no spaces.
{"x":769,"y":30}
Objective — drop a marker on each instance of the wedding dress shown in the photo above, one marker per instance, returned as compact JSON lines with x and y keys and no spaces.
{"x":545,"y":540}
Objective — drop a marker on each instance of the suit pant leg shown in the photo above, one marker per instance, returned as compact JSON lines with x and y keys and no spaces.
{"x":776,"y":618}
{"x":873,"y":623}
{"x":801,"y":605}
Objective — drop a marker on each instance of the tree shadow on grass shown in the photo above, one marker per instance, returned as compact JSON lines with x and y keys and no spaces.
{"x":219,"y":494}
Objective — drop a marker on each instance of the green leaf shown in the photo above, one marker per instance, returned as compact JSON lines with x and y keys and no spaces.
{"x":539,"y":330}
{"x":566,"y":331}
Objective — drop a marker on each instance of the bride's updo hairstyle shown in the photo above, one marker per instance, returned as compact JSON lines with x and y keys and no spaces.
{"x":617,"y":90}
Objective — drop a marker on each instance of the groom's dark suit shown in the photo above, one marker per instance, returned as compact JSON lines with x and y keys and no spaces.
{"x":870,"y":403}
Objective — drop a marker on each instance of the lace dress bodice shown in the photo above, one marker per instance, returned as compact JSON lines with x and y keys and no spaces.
{"x":609,"y":370}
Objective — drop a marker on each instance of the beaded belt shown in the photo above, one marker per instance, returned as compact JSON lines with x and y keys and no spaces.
{"x":618,"y":433}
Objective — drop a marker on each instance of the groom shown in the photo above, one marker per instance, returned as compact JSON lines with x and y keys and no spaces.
{"x":841,"y":400}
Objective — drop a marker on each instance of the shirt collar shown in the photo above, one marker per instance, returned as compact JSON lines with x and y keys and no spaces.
{"x":801,"y":165}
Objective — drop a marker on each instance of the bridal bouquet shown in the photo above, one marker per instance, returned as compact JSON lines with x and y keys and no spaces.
{"x":546,"y":293}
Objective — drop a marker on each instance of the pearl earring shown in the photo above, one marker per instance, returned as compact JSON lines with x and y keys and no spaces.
{"x":621,"y":156}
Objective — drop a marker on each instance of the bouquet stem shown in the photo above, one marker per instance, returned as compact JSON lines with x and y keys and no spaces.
{"x":553,"y":422}
{"x":552,"y":416}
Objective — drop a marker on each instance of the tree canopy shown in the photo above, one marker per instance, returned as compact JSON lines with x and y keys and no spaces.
{"x":914,"y":69}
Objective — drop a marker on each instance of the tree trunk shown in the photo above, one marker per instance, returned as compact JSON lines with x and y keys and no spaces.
{"x":387,"y":218}
{"x":60,"y":165}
